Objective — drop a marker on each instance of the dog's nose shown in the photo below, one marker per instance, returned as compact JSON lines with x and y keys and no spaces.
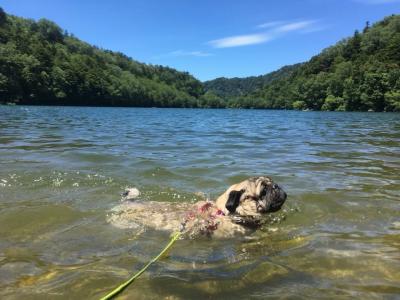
{"x":282,"y":197}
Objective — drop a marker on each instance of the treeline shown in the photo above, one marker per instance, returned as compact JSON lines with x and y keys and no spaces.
{"x":42,"y":64}
{"x":360,"y":73}
{"x":233,"y":87}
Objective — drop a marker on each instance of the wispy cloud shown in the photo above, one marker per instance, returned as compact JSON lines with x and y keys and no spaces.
{"x":190,"y":53}
{"x":240,"y":40}
{"x":179,"y":53}
{"x":375,"y":2}
{"x":294,"y":26}
{"x":270,"y":24}
{"x":275,"y":30}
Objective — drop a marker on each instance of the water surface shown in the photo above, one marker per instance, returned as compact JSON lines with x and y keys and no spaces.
{"x":63,"y":168}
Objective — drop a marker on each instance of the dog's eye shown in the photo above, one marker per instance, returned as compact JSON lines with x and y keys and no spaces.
{"x":274,"y":186}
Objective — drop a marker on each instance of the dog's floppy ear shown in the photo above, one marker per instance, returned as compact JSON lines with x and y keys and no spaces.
{"x":233,"y":200}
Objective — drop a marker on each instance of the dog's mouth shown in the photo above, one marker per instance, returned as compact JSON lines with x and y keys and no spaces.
{"x":276,"y":204}
{"x":271,"y":208}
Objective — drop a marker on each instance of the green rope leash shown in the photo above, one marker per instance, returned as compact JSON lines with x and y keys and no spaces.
{"x":120,"y":288}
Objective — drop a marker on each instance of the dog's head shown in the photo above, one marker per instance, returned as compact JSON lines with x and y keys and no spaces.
{"x":252,"y":197}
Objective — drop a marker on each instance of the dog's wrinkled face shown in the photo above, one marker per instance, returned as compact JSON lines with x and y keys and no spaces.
{"x":253,"y":197}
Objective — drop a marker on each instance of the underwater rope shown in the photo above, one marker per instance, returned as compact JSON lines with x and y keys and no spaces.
{"x":124,"y":285}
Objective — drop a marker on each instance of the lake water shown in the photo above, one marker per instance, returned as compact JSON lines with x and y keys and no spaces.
{"x":62,"y":169}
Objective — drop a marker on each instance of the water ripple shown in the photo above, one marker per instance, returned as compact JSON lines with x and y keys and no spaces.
{"x":63,"y":168}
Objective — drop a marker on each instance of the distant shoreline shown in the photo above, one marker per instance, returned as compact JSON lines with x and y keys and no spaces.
{"x":177,"y":107}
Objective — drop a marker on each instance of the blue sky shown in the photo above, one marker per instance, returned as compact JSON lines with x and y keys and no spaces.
{"x":212,"y":38}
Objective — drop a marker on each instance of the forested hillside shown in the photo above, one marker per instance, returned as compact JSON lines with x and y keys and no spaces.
{"x":233,"y":87}
{"x":42,"y":64}
{"x":358,"y":73}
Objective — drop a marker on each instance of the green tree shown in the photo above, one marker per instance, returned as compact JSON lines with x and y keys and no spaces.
{"x":3,"y":17}
{"x":393,"y":100}
{"x":299,"y":105}
{"x":333,"y":103}
{"x":373,"y":91}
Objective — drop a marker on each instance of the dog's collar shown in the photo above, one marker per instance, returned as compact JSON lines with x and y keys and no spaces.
{"x":206,"y":206}
{"x":251,"y":222}
{"x":208,"y":224}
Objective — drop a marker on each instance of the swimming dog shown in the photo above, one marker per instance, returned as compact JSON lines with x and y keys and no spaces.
{"x":238,"y":210}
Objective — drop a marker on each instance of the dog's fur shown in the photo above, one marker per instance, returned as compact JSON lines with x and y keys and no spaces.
{"x":237,"y":211}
